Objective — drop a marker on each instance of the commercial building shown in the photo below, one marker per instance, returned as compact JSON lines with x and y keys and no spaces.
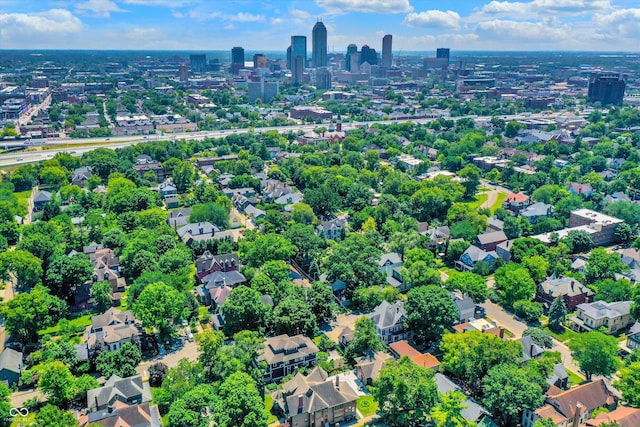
{"x":259,"y":60}
{"x":298,"y":58}
{"x":606,"y":88}
{"x":387,"y":56}
{"x":198,"y":62}
{"x":237,"y":59}
{"x":323,"y":78}
{"x":351,"y":49}
{"x":262,"y":90}
{"x":319,"y":45}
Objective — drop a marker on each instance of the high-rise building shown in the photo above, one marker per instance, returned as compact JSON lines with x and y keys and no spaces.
{"x":198,"y":62}
{"x":298,"y":58}
{"x":237,"y":59}
{"x":319,"y":45}
{"x":368,"y":55}
{"x":443,"y":53}
{"x":607,"y":88}
{"x":387,"y":56}
{"x":352,"y":48}
{"x":323,"y":78}
{"x":183,"y":72}
{"x":214,"y":65}
{"x":263,"y":90}
{"x":259,"y":60}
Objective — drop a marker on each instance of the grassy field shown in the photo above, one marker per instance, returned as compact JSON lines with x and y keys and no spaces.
{"x":268,"y":404}
{"x":498,"y":203}
{"x":565,"y":336}
{"x":23,"y":200}
{"x":366,"y":405}
{"x":67,"y":328}
{"x":480,"y":199}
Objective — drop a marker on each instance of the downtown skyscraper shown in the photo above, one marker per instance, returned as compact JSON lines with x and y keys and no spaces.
{"x":387,"y":56}
{"x":319,"y":45}
{"x":298,"y":58}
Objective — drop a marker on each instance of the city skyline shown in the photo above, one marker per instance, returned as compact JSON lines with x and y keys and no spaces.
{"x":590,"y":25}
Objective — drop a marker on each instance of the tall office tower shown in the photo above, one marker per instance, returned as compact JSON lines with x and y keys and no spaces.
{"x":387,"y":56}
{"x":368,"y":55}
{"x":443,"y":53}
{"x":607,"y":88}
{"x":289,"y":58}
{"x":259,"y":60}
{"x":237,"y":59}
{"x":214,"y":65}
{"x":354,"y":62}
{"x":319,"y":45}
{"x":323,"y":78}
{"x":298,"y":58}
{"x":198,"y":62}
{"x":352,"y":48}
{"x":183,"y":72}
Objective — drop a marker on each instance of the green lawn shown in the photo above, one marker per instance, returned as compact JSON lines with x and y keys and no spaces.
{"x":367,"y":405}
{"x":479,"y":200}
{"x":268,"y":404}
{"x":574,"y":378}
{"x":23,"y":200}
{"x":565,"y":336}
{"x":78,"y":324}
{"x":498,"y":203}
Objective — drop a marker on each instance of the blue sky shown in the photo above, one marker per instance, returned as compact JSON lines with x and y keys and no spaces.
{"x":268,"y":24}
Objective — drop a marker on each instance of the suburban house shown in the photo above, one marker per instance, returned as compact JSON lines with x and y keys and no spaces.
{"x":473,"y":255}
{"x":111,"y":329}
{"x":81,"y":176}
{"x":145,"y":165}
{"x":465,"y":306}
{"x":171,"y":201}
{"x":633,"y":339}
{"x":577,"y":189}
{"x":284,"y":355}
{"x":130,"y":390}
{"x":254,"y":213}
{"x":613,"y":316}
{"x":207,"y":263}
{"x":503,"y":250}
{"x":425,"y":360}
{"x":368,"y":367}
{"x":572,"y":407}
{"x":569,"y":289}
{"x":333,"y":229}
{"x":630,"y":257}
{"x":530,"y":350}
{"x":317,"y":400}
{"x":515,"y":202}
{"x":106,"y":267}
{"x":624,"y":416}
{"x":41,"y":199}
{"x":471,"y":411}
{"x":389,"y":321}
{"x":559,"y":377}
{"x":179,"y":218}
{"x":438,"y":237}
{"x":536,"y":211}
{"x":495,"y":224}
{"x":121,"y":414}
{"x":167,"y":188}
{"x":489,"y":241}
{"x":389,"y":261}
{"x":10,"y":366}
{"x":197,"y":232}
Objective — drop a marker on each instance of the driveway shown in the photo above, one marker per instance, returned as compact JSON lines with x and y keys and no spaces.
{"x":171,"y":359}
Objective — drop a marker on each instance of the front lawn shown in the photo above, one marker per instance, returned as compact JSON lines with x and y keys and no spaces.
{"x":480,"y":199}
{"x":563,"y":337}
{"x":574,"y":378}
{"x":367,"y":405}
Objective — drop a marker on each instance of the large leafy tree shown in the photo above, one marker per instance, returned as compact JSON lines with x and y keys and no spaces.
{"x":603,"y":265}
{"x":267,"y":247}
{"x":185,"y":376}
{"x":101,"y":294}
{"x":405,"y":392}
{"x":470,"y":284}
{"x":5,"y":404}
{"x":27,"y":313}
{"x":52,"y":416}
{"x":354,"y":261}
{"x":365,"y":339}
{"x":513,"y":283}
{"x":629,"y":384}
{"x":539,"y":336}
{"x":448,"y":411}
{"x":469,"y":356}
{"x":240,"y":404}
{"x":430,"y":309}
{"x":57,"y":383}
{"x":208,"y":344}
{"x":192,"y":409}
{"x":507,"y":390}
{"x":122,"y":362}
{"x":244,"y":310}
{"x":293,"y":315}
{"x":419,"y":268}
{"x":65,"y":274}
{"x":596,"y":353}
{"x":158,"y":306}
{"x":26,"y":268}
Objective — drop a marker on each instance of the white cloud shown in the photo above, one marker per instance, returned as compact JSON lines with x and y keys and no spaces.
{"x":141,"y":34}
{"x":366,"y":6}
{"x":276,"y":21}
{"x":99,"y":8}
{"x":300,"y":14}
{"x":238,"y":17}
{"x":229,"y":27}
{"x":544,"y":7}
{"x":51,"y":21}
{"x":620,"y":23}
{"x":165,"y":3}
{"x":535,"y":32}
{"x":434,"y":18}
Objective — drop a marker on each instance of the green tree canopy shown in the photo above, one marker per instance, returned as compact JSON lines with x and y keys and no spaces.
{"x":239,"y":404}
{"x":158,"y":306}
{"x":513,"y":283}
{"x":430,"y":310}
{"x":596,"y":353}
{"x":244,"y":310}
{"x":470,"y":284}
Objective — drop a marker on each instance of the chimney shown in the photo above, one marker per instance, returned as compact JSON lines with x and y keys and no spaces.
{"x":531,"y":350}
{"x":578,"y":413}
{"x":96,"y":400}
{"x":300,"y":403}
{"x":501,"y":332}
{"x":338,"y":382}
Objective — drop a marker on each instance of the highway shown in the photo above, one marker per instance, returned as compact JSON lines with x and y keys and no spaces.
{"x":22,"y":157}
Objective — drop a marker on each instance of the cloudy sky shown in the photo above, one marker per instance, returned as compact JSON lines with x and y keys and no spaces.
{"x":267,"y":24}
